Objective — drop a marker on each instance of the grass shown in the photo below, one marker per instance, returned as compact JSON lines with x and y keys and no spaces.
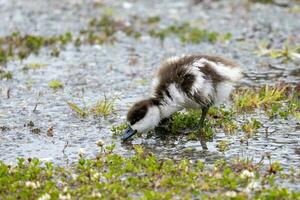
{"x":143,"y":176}
{"x":5,"y":75}
{"x":34,"y":66}
{"x":118,"y":129}
{"x":247,"y":100}
{"x":56,"y":84}
{"x":250,"y":127}
{"x":286,"y":53}
{"x":276,"y":101}
{"x":188,"y":34}
{"x":153,"y":20}
{"x":21,"y":46}
{"x":81,"y":111}
{"x":223,"y":145}
{"x":102,"y":30}
{"x":262,"y":1}
{"x":103,"y":107}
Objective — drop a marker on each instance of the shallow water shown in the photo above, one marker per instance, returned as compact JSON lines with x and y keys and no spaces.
{"x":91,"y":72}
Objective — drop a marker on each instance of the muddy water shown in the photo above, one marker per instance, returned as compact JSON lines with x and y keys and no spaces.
{"x":91,"y":72}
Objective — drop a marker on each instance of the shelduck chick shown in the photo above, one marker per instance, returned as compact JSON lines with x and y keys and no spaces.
{"x":196,"y":81}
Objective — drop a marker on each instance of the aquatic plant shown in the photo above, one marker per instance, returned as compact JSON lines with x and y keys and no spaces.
{"x":250,"y":127}
{"x":184,"y":120}
{"x":56,"y":84}
{"x":83,"y":112}
{"x":21,"y":46}
{"x":3,"y":55}
{"x":286,"y":53}
{"x":103,"y":30}
{"x":33,"y":66}
{"x":143,"y":176}
{"x":224,"y":118}
{"x":153,"y":20}
{"x":223,"y":145}
{"x":262,"y":1}
{"x":118,"y":130}
{"x":187,"y":34}
{"x":104,"y":107}
{"x":249,"y":99}
{"x":7,"y":75}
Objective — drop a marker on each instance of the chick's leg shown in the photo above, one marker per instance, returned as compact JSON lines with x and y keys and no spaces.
{"x":201,"y":130}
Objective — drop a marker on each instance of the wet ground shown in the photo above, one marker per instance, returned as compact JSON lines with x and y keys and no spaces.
{"x":124,"y":70}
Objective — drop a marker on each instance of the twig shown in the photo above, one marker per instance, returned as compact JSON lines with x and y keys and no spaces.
{"x":8,"y":93}
{"x":66,"y":145}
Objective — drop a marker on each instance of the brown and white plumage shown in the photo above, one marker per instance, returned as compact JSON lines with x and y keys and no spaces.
{"x":195,"y":81}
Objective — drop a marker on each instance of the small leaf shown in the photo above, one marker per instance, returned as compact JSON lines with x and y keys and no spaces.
{"x":74,"y":107}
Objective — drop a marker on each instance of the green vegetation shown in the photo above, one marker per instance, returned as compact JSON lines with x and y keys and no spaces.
{"x":182,"y":121}
{"x":250,"y":127}
{"x":21,"y":46}
{"x":286,"y":53}
{"x":118,"y":130}
{"x":104,"y":107}
{"x":188,"y":34}
{"x":33,"y":129}
{"x":143,"y":176}
{"x":100,"y":31}
{"x":33,"y":66}
{"x":81,"y":111}
{"x":153,"y":20}
{"x":103,"y":30}
{"x":55,"y":84}
{"x":262,"y":1}
{"x":247,"y":99}
{"x":223,"y":145}
{"x":7,"y":75}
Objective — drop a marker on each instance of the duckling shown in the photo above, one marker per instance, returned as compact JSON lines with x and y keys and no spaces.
{"x":192,"y":82}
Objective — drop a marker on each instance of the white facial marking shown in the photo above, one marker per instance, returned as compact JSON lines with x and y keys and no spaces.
{"x":149,"y":122}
